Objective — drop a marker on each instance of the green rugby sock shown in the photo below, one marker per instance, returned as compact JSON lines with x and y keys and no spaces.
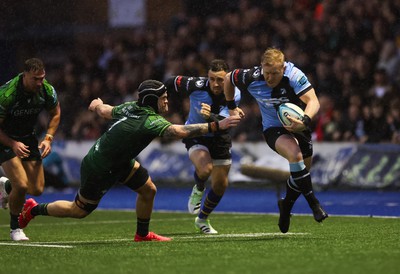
{"x":40,"y":209}
{"x":7,"y":186}
{"x":14,"y":221}
{"x":142,"y":228}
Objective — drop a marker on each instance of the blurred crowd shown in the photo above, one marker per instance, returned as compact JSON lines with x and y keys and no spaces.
{"x":349,"y":49}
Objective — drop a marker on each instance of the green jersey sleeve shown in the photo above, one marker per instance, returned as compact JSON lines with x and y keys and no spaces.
{"x":51,"y":96}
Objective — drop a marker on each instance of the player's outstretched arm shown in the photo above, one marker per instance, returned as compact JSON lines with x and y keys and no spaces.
{"x":101,"y":109}
{"x":229,"y":92}
{"x":193,"y":130}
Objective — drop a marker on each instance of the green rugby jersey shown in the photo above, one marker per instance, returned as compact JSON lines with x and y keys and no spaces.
{"x":20,"y":109}
{"x":133,"y":130}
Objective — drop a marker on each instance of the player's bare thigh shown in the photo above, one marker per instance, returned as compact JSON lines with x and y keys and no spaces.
{"x":15,"y":172}
{"x":219,"y":178}
{"x":35,"y":173}
{"x":287,"y":146}
{"x":201,"y":160}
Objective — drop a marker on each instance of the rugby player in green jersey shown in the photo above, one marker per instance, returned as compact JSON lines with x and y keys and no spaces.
{"x":21,"y":100}
{"x":111,"y":159}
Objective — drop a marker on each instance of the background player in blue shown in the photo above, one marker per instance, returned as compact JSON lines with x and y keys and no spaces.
{"x":21,"y":100}
{"x":271,"y":84}
{"x":210,"y":154}
{"x":111,"y":159}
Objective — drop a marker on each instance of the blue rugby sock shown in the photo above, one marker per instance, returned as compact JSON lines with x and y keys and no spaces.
{"x":210,"y":203}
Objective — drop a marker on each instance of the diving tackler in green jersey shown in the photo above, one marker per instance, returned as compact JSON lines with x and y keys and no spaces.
{"x":111,"y":159}
{"x":133,"y":130}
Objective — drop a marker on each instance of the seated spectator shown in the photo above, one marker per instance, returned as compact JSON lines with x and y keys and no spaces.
{"x":351,"y":125}
{"x":381,"y":88}
{"x":87,"y":126}
{"x":376,"y":127}
{"x":394,"y":120}
{"x":389,"y":60}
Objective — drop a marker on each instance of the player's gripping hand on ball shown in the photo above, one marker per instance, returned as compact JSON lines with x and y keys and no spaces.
{"x":297,"y":125}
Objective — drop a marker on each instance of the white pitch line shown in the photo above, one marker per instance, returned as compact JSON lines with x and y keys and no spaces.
{"x":197,"y":237}
{"x":38,"y":245}
{"x":194,"y":237}
{"x":92,"y":241}
{"x":244,"y":235}
{"x":238,"y":216}
{"x":86,"y":222}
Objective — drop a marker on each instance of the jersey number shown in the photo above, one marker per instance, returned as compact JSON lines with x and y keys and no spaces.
{"x":117,"y":122}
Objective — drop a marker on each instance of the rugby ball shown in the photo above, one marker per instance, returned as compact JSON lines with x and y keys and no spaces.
{"x":289,"y":109}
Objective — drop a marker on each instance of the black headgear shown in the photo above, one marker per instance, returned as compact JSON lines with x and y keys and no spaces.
{"x":149,"y":92}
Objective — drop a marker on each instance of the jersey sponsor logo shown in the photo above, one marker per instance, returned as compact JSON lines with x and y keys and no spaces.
{"x":256,"y":74}
{"x":24,"y":112}
{"x":199,"y":83}
{"x":155,"y":121}
{"x":126,"y":112}
{"x":302,"y":80}
{"x":274,"y":101}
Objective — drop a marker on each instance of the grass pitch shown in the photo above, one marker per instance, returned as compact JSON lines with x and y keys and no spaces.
{"x":246,"y":243}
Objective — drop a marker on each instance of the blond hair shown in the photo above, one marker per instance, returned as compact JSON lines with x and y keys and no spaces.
{"x":33,"y":64}
{"x":272,"y":56}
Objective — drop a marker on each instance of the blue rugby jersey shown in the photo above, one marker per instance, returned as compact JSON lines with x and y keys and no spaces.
{"x":293,"y":85}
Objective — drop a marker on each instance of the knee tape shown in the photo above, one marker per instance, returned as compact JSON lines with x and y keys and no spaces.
{"x":84,"y":205}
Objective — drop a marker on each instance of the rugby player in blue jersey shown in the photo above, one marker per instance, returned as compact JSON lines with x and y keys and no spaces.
{"x":211,"y":153}
{"x":21,"y":100}
{"x":272,"y":83}
{"x":112,"y":158}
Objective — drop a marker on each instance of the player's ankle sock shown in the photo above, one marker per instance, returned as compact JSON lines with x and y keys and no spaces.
{"x":142,"y":227}
{"x":14,"y":221}
{"x":200,"y":183}
{"x":307,"y":190}
{"x":40,"y":209}
{"x":292,"y":192}
{"x":302,"y":179}
{"x":210,"y":202}
{"x":7,"y":186}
